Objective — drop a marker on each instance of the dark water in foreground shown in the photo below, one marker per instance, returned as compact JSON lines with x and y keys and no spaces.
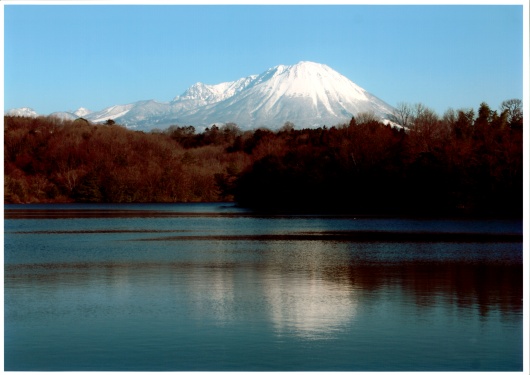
{"x":212,"y":287}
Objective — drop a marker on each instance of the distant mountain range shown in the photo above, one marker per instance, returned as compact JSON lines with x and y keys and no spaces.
{"x":306,"y":94}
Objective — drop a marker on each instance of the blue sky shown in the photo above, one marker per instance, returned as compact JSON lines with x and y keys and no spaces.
{"x":62,"y":57}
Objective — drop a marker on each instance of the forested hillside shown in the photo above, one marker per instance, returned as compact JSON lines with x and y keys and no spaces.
{"x":461,"y":163}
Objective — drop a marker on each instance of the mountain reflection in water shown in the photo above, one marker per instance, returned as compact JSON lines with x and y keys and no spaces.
{"x":239,"y":292}
{"x":331,"y":291}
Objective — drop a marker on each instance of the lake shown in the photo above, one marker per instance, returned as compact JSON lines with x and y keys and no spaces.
{"x":185,"y":287}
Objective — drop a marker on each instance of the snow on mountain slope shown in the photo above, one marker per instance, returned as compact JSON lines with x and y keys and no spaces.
{"x":110,"y":113}
{"x":81,"y":112}
{"x":307,"y":94}
{"x":146,"y":114}
{"x":64,"y":115}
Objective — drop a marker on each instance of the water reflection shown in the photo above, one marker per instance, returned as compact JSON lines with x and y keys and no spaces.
{"x":212,"y":292}
{"x":464,"y":285}
{"x":310,"y":297}
{"x":213,"y":289}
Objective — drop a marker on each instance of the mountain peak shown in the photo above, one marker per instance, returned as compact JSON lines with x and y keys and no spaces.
{"x":306,"y":67}
{"x":80,"y":112}
{"x":309,"y":65}
{"x":214,"y":93}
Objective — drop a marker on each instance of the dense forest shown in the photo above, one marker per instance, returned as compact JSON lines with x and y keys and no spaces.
{"x":459,"y":163}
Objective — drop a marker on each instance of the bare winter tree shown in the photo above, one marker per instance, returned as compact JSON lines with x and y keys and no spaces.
{"x":404,"y":114}
{"x":365,"y":117}
{"x":514,"y":108}
{"x":426,"y":127}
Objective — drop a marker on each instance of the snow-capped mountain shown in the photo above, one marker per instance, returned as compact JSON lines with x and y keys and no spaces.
{"x":22,"y":112}
{"x":307,"y":94}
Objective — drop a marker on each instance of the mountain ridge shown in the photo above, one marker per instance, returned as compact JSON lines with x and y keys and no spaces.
{"x":307,"y":94}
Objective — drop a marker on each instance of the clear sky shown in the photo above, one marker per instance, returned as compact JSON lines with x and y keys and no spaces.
{"x":62,"y":57}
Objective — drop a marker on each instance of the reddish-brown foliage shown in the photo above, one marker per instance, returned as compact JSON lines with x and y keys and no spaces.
{"x":457,"y":163}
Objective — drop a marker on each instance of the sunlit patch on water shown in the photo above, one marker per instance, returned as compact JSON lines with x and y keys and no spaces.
{"x":309,"y":307}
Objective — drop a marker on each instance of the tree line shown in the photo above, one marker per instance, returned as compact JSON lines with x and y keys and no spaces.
{"x":459,"y":163}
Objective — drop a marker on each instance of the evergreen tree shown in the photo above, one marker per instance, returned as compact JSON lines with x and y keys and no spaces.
{"x":88,"y":190}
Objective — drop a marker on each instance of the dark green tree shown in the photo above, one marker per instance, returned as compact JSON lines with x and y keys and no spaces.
{"x":88,"y":189}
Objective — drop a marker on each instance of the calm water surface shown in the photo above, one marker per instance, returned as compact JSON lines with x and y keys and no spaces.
{"x":214,"y":287}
